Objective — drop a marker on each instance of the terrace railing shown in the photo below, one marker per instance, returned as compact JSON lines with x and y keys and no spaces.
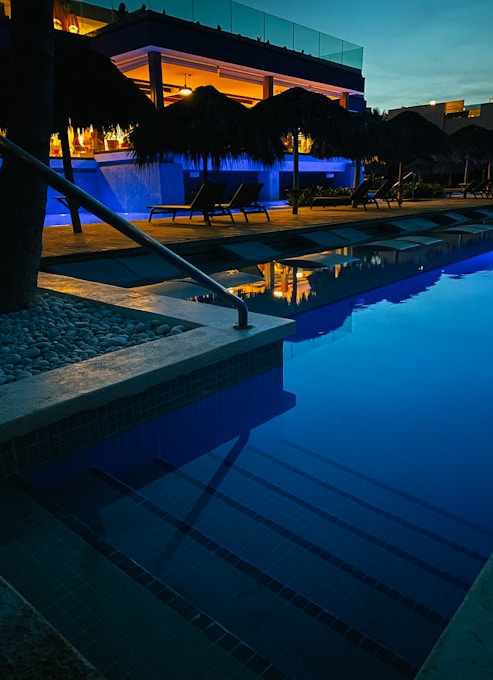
{"x":238,"y":19}
{"x":98,"y":209}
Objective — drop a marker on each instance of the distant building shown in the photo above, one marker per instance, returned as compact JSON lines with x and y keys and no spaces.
{"x":453,"y":115}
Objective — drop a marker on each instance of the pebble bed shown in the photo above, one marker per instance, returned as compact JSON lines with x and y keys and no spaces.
{"x":58,"y":330}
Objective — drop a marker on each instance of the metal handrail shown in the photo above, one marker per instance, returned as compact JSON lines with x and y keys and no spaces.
{"x":134,"y":233}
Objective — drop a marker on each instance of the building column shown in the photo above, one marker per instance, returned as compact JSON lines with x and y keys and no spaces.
{"x":268,"y":87}
{"x":156,"y":79}
{"x":343,"y":100}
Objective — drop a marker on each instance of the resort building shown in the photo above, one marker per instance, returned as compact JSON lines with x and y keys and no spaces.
{"x":453,"y":115}
{"x":169,"y":47}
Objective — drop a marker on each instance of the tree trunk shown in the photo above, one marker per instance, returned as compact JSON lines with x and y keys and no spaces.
{"x":204,"y":168}
{"x":400,"y":187}
{"x":296,"y":176}
{"x":357,"y":172}
{"x":22,"y":192}
{"x":466,"y":170}
{"x":69,"y":174}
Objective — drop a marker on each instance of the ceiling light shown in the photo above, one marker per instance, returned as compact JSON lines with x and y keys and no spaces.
{"x":72,"y":23}
{"x":185,"y":90}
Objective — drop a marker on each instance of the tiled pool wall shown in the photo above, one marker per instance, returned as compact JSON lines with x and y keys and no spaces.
{"x":90,"y":427}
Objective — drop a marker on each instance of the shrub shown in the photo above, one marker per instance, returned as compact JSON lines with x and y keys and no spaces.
{"x":308,"y":193}
{"x":421,"y":189}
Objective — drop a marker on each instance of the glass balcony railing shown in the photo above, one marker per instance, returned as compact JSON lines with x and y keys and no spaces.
{"x":239,"y":19}
{"x":232,"y":17}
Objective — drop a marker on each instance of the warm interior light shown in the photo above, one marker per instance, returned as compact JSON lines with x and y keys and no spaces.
{"x":72,"y":23}
{"x":185,"y":90}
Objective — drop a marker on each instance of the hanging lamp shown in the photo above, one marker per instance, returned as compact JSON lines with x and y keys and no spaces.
{"x":185,"y":90}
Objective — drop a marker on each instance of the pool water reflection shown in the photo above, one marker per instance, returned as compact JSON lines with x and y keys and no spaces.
{"x":336,"y":533}
{"x":289,"y":286}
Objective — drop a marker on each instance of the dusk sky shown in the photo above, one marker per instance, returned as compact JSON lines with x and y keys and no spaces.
{"x":415,"y":51}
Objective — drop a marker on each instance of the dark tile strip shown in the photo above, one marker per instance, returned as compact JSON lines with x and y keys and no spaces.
{"x":398,"y":552}
{"x":379,"y":511}
{"x":384,"y":545}
{"x":213,"y":630}
{"x":89,"y":428}
{"x":287,"y":593}
{"x":320,"y":552}
{"x":391,"y":489}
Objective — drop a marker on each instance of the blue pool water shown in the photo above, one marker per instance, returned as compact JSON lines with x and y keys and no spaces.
{"x":331,"y":515}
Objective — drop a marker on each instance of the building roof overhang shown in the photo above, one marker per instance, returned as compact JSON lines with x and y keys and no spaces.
{"x":129,"y":40}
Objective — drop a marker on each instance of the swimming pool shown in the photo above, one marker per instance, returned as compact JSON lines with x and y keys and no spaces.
{"x":331,"y":517}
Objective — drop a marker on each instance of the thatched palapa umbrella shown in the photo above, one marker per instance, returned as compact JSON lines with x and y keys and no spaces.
{"x":412,"y":136}
{"x":296,"y":111}
{"x":206,"y":127}
{"x":472,"y":144}
{"x":88,"y":90}
{"x":364,"y":139}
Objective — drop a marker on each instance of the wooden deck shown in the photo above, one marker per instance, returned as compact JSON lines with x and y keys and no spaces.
{"x":98,"y":238}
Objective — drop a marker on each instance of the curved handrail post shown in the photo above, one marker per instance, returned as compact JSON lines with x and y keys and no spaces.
{"x":131,"y":231}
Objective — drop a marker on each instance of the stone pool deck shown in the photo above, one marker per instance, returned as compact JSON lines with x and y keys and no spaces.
{"x":65,"y":568}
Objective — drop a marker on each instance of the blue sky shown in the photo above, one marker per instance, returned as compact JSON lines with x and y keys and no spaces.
{"x":415,"y":51}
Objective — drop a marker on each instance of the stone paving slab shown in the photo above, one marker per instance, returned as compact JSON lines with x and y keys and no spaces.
{"x":464,"y":650}
{"x":48,"y":654}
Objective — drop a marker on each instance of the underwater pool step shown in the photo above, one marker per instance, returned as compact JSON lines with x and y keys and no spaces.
{"x":377,"y":508}
{"x":397,"y":533}
{"x":109,"y":540}
{"x":125,"y":623}
{"x":274,"y":550}
{"x":478,"y":540}
{"x":342,"y":544}
{"x":242,"y":585}
{"x":312,"y":515}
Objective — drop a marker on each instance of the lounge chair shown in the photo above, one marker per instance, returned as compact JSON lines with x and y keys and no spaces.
{"x":464,"y":189}
{"x":359,"y":195}
{"x":245,"y":200}
{"x":207,"y":200}
{"x":383,"y":193}
{"x":483,"y":189}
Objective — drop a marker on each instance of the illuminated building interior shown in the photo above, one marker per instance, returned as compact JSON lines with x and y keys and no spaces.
{"x":162,"y":51}
{"x":246,"y":84}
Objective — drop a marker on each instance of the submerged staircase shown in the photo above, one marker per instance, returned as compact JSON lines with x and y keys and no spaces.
{"x":295,"y":561}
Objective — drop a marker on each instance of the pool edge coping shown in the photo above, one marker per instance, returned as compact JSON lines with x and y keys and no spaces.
{"x":209,"y":337}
